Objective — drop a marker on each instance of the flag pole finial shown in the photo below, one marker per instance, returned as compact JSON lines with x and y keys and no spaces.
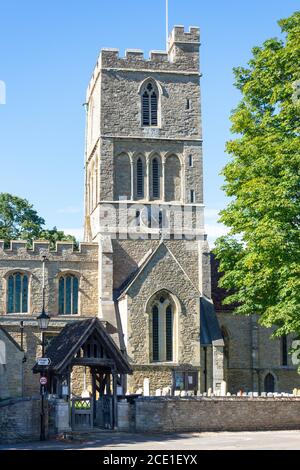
{"x":167,"y":24}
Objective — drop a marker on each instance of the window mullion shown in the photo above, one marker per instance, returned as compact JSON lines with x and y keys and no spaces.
{"x":150,"y":109}
{"x":21,"y":294}
{"x":162,"y":334}
{"x":71,"y":293}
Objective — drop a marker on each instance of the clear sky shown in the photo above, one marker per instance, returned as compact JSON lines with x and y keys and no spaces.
{"x":47,"y":52}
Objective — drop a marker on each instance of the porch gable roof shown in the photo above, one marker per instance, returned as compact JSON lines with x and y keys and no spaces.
{"x":72,"y":337}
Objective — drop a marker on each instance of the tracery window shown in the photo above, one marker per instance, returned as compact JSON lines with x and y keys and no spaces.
{"x":149,"y":105}
{"x":162,"y":321}
{"x":68,"y":295}
{"x":17,"y":293}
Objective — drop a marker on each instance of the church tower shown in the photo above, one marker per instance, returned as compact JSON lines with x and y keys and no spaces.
{"x":144,"y":206}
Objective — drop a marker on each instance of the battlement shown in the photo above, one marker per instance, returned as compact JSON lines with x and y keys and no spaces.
{"x":132,"y":55}
{"x":109,"y":58}
{"x":41,"y":247}
{"x":179,"y":35}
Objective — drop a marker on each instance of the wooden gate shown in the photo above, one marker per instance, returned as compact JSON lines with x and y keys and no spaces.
{"x":104,"y":412}
{"x":82,"y":413}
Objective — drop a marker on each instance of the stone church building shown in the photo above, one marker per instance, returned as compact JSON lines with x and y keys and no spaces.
{"x":145,"y":268}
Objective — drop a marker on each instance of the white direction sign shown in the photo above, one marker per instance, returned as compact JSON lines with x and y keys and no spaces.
{"x":44,"y":361}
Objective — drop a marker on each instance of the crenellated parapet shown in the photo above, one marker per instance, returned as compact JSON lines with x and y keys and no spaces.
{"x":178,"y":34}
{"x":187,"y":43}
{"x":63,"y":249}
{"x":19,"y":261}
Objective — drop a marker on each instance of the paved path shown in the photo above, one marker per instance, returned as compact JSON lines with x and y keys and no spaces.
{"x":281,"y":440}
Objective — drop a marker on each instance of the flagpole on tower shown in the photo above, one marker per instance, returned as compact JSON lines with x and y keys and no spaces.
{"x":167,"y":24}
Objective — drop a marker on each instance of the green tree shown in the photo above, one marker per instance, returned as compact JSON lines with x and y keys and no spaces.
{"x":18,"y":220}
{"x":260,"y":257}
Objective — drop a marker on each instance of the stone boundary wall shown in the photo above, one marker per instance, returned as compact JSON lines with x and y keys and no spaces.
{"x":210,"y":414}
{"x":20,"y":420}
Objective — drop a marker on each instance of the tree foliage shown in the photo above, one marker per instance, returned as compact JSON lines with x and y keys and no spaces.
{"x":18,"y":220}
{"x":260,"y":257}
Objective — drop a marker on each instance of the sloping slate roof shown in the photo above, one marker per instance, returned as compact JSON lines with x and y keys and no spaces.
{"x":209,"y":326}
{"x":118,"y":293}
{"x":65,"y":345}
{"x":218,"y":293}
{"x":132,"y":277}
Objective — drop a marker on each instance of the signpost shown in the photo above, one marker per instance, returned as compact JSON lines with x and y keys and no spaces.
{"x":43,"y":361}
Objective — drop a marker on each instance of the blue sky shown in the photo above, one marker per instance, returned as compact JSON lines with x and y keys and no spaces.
{"x":47,"y":53}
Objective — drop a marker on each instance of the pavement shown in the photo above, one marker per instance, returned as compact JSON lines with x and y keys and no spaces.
{"x":271,"y":440}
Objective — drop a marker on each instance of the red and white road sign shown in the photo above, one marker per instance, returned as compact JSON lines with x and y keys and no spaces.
{"x":43,"y":380}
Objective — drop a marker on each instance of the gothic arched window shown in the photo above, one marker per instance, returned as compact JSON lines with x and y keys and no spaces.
{"x":17,"y":293}
{"x":68,"y":295}
{"x":139,"y":178}
{"x":269,"y":383}
{"x":162,"y":329}
{"x":149,"y":105}
{"x":155,"y":178}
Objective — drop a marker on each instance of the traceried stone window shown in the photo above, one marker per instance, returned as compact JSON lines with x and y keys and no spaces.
{"x":17,"y":293}
{"x":68,"y":294}
{"x":162,"y":330}
{"x":149,"y":105}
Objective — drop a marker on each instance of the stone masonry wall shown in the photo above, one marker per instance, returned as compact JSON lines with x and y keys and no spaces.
{"x":84,"y":263}
{"x":20,"y":420}
{"x":240,"y":370}
{"x":11,"y":372}
{"x":216,"y":414}
{"x":162,"y":272}
{"x":129,"y":253}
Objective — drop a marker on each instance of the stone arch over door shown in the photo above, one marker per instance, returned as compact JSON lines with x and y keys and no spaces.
{"x":122,"y":176}
{"x":173,"y":178}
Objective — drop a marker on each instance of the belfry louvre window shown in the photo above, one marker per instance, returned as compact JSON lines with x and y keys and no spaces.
{"x":140,"y":178}
{"x":17,"y":293}
{"x":155,"y":178}
{"x":68,"y":295}
{"x":149,"y":106}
